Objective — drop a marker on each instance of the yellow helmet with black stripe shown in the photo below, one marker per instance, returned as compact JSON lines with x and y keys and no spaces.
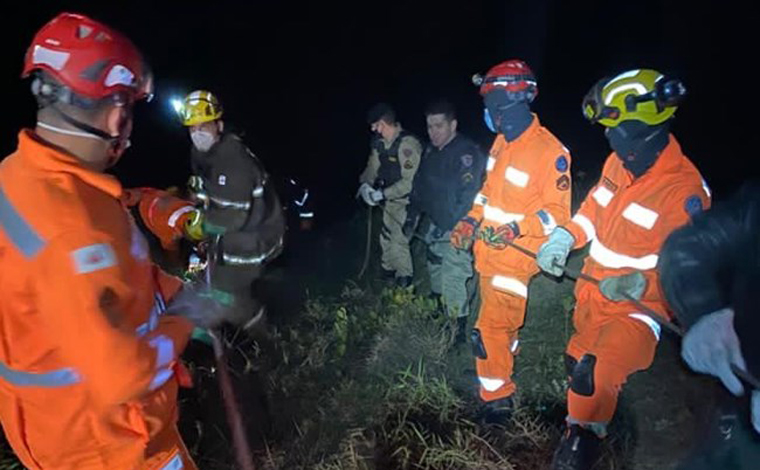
{"x":643,"y":94}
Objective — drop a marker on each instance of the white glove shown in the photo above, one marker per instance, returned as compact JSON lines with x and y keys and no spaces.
{"x":756,"y":410}
{"x":711,"y":346}
{"x":364,"y":191}
{"x":555,"y":250}
{"x":376,"y":195}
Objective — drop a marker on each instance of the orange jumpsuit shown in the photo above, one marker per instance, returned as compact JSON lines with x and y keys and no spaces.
{"x":86,"y":360}
{"x":626,"y":220}
{"x":163,"y":214}
{"x":528,"y":181}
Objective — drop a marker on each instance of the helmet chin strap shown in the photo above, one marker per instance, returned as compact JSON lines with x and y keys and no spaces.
{"x":60,"y":130}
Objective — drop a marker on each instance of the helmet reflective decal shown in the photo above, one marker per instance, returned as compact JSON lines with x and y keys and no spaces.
{"x":55,"y":59}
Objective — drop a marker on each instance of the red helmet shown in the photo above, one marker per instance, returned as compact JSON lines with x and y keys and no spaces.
{"x":89,"y":59}
{"x":513,"y":75}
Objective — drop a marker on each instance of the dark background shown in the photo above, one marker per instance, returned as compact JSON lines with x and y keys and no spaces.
{"x":298,"y":78}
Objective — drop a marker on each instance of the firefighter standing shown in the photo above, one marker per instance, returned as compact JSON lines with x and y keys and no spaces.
{"x":648,"y":187}
{"x":449,"y":177}
{"x":387,"y":179}
{"x":242,"y":207}
{"x":526,"y":194}
{"x":87,"y":366}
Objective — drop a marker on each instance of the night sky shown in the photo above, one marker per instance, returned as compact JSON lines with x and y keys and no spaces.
{"x":298,"y":78}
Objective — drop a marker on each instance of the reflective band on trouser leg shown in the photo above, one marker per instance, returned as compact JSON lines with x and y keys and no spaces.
{"x":501,"y":314}
{"x":54,"y":378}
{"x":510,"y":284}
{"x":611,"y":259}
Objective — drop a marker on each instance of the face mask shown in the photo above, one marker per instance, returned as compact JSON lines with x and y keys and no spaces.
{"x":637,"y":144}
{"x":510,"y":118}
{"x":202,"y":140}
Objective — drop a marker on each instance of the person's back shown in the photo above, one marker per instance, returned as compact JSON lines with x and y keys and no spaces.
{"x":89,"y":344}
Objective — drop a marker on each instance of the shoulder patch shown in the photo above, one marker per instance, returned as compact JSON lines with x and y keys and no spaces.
{"x":408,"y":165}
{"x":563,"y":183}
{"x":93,"y":258}
{"x":467,"y":160}
{"x":407,"y":152}
{"x":561,"y":164}
{"x":693,"y":205}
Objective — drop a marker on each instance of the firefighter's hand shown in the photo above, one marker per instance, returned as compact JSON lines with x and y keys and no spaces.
{"x":711,"y":346}
{"x":552,"y":256}
{"x":463,"y":233}
{"x":193,"y":228}
{"x":626,"y":287}
{"x":200,"y":305}
{"x":499,"y":237}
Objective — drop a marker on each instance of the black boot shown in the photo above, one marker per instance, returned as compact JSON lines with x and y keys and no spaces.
{"x":404,"y":281}
{"x":499,"y":411}
{"x":577,"y":450}
{"x":461,"y":335}
{"x":387,"y":275}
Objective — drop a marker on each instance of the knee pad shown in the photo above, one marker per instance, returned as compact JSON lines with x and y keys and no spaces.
{"x":570,"y":363}
{"x":478,"y":348}
{"x":582,"y":378}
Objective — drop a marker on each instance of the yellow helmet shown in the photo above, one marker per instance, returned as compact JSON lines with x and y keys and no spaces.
{"x":198,"y":107}
{"x":643,"y":95}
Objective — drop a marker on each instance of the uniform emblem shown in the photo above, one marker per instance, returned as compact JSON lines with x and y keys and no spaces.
{"x":408,"y":165}
{"x":407,"y":153}
{"x":561,"y":164}
{"x":693,"y":205}
{"x":93,"y":258}
{"x":222,"y":180}
{"x":467,"y":160}
{"x":609,"y":184}
{"x":467,"y":177}
{"x":563,"y":183}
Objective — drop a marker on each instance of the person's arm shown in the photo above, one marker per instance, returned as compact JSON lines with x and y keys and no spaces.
{"x":409,"y":156}
{"x":554,"y":193}
{"x":83,"y":294}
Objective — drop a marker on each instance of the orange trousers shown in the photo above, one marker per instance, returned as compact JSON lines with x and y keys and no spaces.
{"x":616,"y":342}
{"x":502,"y":312}
{"x":167,"y":451}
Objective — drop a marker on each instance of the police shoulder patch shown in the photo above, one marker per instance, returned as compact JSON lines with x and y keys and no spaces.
{"x":467,"y":160}
{"x":561,"y":164}
{"x":563,"y":183}
{"x":693,"y":205}
{"x":93,"y":258}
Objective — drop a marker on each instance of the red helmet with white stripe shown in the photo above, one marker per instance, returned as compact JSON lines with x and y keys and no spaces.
{"x":514,"y":76}
{"x":88,"y":59}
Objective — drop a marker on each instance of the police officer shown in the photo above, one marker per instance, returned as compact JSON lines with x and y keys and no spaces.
{"x":449,"y":178}
{"x":242,"y":209}
{"x":387,"y":179}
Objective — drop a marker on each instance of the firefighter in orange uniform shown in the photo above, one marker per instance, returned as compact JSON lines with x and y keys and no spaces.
{"x":90,"y":329}
{"x":164,"y":215}
{"x":525,"y":196}
{"x":648,"y":187}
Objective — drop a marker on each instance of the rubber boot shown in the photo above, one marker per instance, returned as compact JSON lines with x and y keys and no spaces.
{"x":498,"y":411}
{"x":577,"y":450}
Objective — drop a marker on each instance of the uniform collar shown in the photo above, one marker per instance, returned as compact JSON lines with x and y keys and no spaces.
{"x":668,"y":161}
{"x":42,"y":155}
{"x":526,"y":136}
